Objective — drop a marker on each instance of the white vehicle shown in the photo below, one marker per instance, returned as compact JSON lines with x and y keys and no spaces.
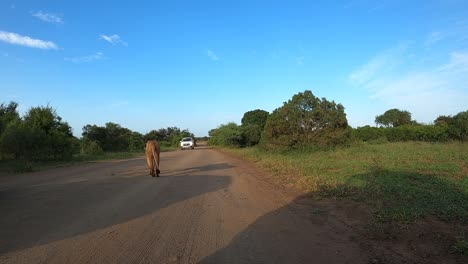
{"x":187,"y":143}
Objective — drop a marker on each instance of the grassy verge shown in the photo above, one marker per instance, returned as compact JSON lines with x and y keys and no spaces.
{"x":20,"y":166}
{"x":401,"y":182}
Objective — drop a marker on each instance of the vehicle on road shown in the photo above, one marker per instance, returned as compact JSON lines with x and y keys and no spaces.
{"x":187,"y":143}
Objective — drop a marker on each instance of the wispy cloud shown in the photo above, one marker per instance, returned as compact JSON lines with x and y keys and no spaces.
{"x":381,"y":63}
{"x":212,"y":55}
{"x":16,"y":39}
{"x":427,"y":93}
{"x":113,"y":39}
{"x":88,"y":58}
{"x":48,"y":17}
{"x":434,"y":37}
{"x":454,"y":33}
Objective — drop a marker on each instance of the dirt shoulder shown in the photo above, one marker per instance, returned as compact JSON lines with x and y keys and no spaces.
{"x":428,"y":240}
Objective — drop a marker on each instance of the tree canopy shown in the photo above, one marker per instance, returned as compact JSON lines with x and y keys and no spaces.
{"x":394,"y":118}
{"x":306,"y":120}
{"x":253,"y":123}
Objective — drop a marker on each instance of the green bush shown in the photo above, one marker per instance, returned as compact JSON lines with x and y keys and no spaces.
{"x":168,"y":137}
{"x":90,"y":147}
{"x":8,"y":113}
{"x":253,"y":123}
{"x":251,"y":134}
{"x":458,"y":126}
{"x":394,"y":118}
{"x":368,"y":133}
{"x":307,"y":121}
{"x":427,"y":133}
{"x":226,"y":135}
{"x":21,"y":141}
{"x":136,"y":142}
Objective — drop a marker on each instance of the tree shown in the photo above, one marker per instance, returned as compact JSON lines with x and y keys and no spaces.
{"x":229,"y":134}
{"x":306,"y":120}
{"x":253,"y":123}
{"x":111,"y":137}
{"x":41,"y":135}
{"x":170,"y":136}
{"x":54,"y":136}
{"x":394,"y":118}
{"x":255,"y":117}
{"x":136,"y":142}
{"x":95,"y":133}
{"x":21,"y":141}
{"x":46,"y":118}
{"x":458,"y":126}
{"x":117,"y":137}
{"x":8,"y":114}
{"x":443,"y":120}
{"x":90,"y":147}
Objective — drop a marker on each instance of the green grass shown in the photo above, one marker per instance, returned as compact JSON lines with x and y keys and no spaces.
{"x":22,"y":166}
{"x":401,"y":182}
{"x":460,"y":247}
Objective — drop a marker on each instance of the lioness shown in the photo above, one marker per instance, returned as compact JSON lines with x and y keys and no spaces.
{"x":152,"y":157}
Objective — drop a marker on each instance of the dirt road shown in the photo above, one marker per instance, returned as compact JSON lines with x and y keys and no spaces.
{"x":206,"y":207}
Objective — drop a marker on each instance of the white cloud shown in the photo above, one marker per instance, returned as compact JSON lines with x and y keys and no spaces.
{"x":384,"y":62}
{"x":113,"y":39}
{"x":434,"y":37}
{"x":48,"y":17}
{"x":89,"y":58}
{"x":211,"y":55}
{"x":16,"y":39}
{"x":426,"y":93}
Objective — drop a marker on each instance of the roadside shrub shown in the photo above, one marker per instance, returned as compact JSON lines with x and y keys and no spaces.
{"x":90,"y":147}
{"x":229,"y":134}
{"x":252,"y":125}
{"x":168,"y":137}
{"x":251,"y":134}
{"x":20,"y":140}
{"x":8,"y":113}
{"x":136,"y":142}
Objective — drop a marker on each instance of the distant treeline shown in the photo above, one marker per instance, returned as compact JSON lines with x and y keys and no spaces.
{"x":42,"y":135}
{"x":306,"y":121}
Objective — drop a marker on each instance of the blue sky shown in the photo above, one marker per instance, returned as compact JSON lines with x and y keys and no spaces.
{"x":198,"y":64}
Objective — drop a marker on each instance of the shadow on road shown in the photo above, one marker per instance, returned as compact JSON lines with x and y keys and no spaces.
{"x":311,"y":231}
{"x":211,"y":167}
{"x":300,"y":232}
{"x":33,"y":216}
